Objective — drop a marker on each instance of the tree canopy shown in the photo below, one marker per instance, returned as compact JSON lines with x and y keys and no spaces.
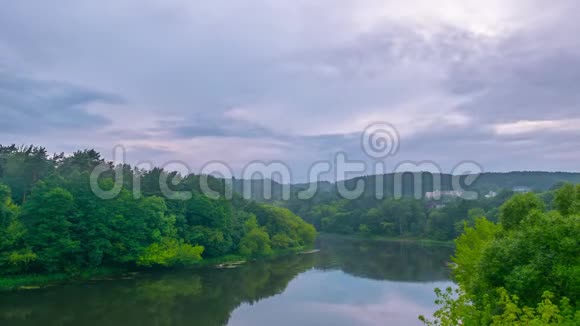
{"x":52,"y":222}
{"x":524,"y":270}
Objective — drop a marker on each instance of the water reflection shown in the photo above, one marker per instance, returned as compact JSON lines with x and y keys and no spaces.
{"x":346,"y":283}
{"x":394,"y":261}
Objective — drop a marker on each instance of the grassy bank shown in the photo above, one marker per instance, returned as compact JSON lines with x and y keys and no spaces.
{"x":29,"y":282}
{"x":388,"y":239}
{"x":34,"y":281}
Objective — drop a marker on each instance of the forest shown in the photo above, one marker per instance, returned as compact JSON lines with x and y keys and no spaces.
{"x":52,"y":223}
{"x":410,"y":217}
{"x":522,"y":270}
{"x":516,"y":261}
{"x":441,"y":220}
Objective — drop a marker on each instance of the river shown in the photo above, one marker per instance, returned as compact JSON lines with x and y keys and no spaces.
{"x":347,"y":282}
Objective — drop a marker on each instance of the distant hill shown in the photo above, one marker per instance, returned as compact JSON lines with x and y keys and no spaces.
{"x":495,"y":181}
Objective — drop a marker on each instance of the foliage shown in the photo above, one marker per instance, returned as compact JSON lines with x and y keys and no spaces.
{"x":11,"y":230}
{"x":406,"y":217}
{"x":457,"y":309}
{"x":282,"y":241}
{"x":517,"y":209}
{"x":256,"y":241}
{"x":469,"y":250}
{"x":48,"y":216}
{"x":524,"y":271}
{"x":364,"y":229}
{"x":51,"y":222}
{"x":170,"y":252}
{"x":567,"y":200}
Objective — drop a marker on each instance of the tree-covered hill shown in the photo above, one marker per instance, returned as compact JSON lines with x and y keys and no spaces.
{"x":51,"y":221}
{"x":404,"y":183}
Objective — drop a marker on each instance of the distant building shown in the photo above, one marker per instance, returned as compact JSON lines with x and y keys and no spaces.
{"x":521,"y":189}
{"x":434,"y":205}
{"x":438,"y":194}
{"x":491,"y":194}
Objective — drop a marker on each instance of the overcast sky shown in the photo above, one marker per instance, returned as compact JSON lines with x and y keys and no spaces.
{"x":495,"y":81}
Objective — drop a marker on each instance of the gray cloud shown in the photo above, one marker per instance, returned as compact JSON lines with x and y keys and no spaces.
{"x":33,"y":106}
{"x":215,"y":127}
{"x":295,"y":81}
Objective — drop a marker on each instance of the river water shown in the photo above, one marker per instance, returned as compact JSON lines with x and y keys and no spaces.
{"x":348,"y":282}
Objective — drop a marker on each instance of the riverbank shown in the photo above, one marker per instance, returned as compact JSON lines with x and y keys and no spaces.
{"x":32,"y":282}
{"x":278,"y":290}
{"x":387,"y":239}
{"x":39,"y":281}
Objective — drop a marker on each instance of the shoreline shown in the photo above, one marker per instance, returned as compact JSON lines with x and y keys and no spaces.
{"x":28,"y":282}
{"x":425,"y":241}
{"x":41,"y":281}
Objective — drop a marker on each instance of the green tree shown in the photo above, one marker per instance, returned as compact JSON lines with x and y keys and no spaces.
{"x":364,"y":229}
{"x":567,"y":200}
{"x":256,"y":241}
{"x":11,"y":230}
{"x":470,"y":249}
{"x":22,"y":167}
{"x":517,"y":209}
{"x":52,"y":222}
{"x":524,"y":275}
{"x":282,"y":241}
{"x":13,"y":257}
{"x":170,"y":252}
{"x":48,"y":216}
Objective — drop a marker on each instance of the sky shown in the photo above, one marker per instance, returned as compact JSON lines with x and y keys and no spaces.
{"x":494,"y":82}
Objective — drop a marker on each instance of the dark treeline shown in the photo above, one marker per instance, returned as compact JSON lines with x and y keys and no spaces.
{"x":52,"y":222}
{"x":404,"y":183}
{"x":443,"y":219}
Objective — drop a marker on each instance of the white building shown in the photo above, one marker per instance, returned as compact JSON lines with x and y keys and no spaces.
{"x":438,"y":194}
{"x":521,"y":189}
{"x":491,"y":194}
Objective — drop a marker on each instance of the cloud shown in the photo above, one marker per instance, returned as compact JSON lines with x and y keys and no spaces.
{"x":237,"y":81}
{"x":33,"y":106}
{"x":527,"y":126}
